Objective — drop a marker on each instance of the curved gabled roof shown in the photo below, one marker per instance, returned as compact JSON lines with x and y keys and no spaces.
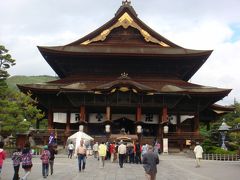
{"x":125,"y":36}
{"x":126,"y":11}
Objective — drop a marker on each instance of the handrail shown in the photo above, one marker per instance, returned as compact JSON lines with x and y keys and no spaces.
{"x":221,"y":157}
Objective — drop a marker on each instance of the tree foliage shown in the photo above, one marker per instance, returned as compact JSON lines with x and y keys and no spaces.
{"x":213,"y":141}
{"x":17,"y":111}
{"x":6,"y":62}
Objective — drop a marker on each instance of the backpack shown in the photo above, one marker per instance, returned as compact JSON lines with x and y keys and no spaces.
{"x":45,"y":157}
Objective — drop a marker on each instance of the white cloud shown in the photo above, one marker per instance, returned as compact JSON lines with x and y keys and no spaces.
{"x":198,"y":24}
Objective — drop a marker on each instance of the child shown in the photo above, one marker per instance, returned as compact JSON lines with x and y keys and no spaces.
{"x":45,"y":160}
{"x":2,"y":156}
{"x":17,"y":158}
{"x":26,"y":160}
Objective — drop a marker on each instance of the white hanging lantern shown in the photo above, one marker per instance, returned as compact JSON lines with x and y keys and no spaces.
{"x":81,"y":127}
{"x":165,"y":129}
{"x":139,"y":129}
{"x":107,"y":128}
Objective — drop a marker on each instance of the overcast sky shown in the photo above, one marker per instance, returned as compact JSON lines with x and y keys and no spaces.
{"x":193,"y":24}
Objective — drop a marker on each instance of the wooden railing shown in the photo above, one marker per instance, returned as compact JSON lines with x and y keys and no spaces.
{"x":221,"y":157}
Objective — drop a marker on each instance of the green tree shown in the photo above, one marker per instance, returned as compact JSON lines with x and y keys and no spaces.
{"x":17,"y":111}
{"x":213,"y":140}
{"x":6,"y":62}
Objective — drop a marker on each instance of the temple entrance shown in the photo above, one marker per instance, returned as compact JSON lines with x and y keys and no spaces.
{"x":123,"y":124}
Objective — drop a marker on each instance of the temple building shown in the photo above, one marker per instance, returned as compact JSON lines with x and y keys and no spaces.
{"x":124,"y":76}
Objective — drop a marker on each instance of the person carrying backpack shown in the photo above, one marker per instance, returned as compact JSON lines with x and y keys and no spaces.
{"x":26,"y":160}
{"x":45,"y":156}
{"x":17,"y":159}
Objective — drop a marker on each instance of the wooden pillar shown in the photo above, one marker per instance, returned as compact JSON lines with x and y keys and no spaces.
{"x":138,"y":122}
{"x":160,"y":134}
{"x":50,"y":119}
{"x":82,"y":119}
{"x":164,"y":115}
{"x":178,"y":130}
{"x":160,"y":130}
{"x":108,"y":113}
{"x":82,"y":114}
{"x":68,"y":123}
{"x":139,"y":114}
{"x":178,"y":126}
{"x":196,"y":124}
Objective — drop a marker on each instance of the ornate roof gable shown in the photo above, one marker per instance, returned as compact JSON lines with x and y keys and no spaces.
{"x":126,"y":21}
{"x":125,"y":18}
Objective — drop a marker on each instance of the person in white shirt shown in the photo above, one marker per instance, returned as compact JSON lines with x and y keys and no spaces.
{"x":122,"y":149}
{"x":95,"y":150}
{"x":70,"y":150}
{"x":198,"y":150}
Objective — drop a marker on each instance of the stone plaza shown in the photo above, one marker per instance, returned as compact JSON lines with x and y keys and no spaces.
{"x":171,"y":167}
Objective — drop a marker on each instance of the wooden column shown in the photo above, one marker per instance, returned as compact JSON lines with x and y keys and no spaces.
{"x":178,"y":130}
{"x":82,"y":118}
{"x":138,"y":122}
{"x":196,"y":124}
{"x":50,"y":119}
{"x":68,"y":123}
{"x":178,"y":126}
{"x":164,"y":115}
{"x":82,"y":114}
{"x":108,"y":113}
{"x":139,"y":114}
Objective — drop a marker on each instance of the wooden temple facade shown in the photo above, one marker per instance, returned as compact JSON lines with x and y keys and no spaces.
{"x":126,"y":75}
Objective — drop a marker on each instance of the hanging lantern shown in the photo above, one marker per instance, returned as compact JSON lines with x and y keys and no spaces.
{"x":165,"y":129}
{"x":107,"y":128}
{"x":139,"y":129}
{"x":81,"y":127}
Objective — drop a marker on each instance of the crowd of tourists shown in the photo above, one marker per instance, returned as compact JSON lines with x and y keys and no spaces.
{"x":24,"y":156}
{"x":121,"y":152}
{"x":133,"y":153}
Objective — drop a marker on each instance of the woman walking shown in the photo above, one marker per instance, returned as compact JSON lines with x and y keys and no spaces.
{"x":26,"y":160}
{"x":17,"y":159}
{"x":45,"y":156}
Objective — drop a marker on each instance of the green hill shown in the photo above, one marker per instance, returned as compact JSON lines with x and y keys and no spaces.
{"x":13,"y":80}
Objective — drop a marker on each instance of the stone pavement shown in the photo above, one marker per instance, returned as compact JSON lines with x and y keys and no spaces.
{"x":171,"y":167}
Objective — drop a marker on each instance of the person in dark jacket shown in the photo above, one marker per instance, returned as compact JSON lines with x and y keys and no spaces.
{"x":150,"y":161}
{"x":52,"y":151}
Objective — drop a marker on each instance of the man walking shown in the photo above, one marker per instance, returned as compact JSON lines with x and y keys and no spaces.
{"x":122,"y":149}
{"x":150,"y":161}
{"x":81,"y":153}
{"x":198,"y":150}
{"x":102,"y":151}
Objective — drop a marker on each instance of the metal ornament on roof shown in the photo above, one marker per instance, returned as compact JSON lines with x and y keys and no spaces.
{"x":126,"y":2}
{"x":124,"y":75}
